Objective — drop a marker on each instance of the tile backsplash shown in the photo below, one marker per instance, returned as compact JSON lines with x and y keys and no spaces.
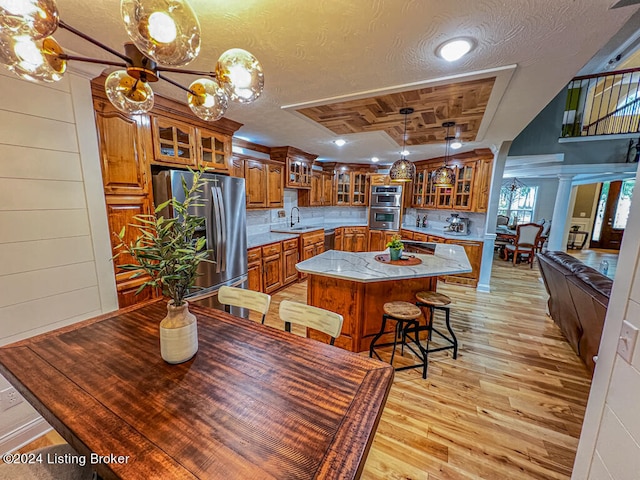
{"x":438,"y":218}
{"x":261,"y":221}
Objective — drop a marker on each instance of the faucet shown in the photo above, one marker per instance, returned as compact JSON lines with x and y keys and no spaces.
{"x":298,"y":221}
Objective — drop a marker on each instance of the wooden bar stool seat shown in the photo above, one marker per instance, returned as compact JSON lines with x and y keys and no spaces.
{"x":406,"y":316}
{"x":438,"y":301}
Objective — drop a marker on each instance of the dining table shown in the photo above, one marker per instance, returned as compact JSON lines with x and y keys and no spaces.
{"x":255,"y":402}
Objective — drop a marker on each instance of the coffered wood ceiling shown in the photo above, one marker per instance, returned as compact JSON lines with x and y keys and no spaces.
{"x":463,"y":103}
{"x":324,"y":52}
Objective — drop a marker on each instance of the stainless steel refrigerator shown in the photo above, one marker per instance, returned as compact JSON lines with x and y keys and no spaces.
{"x":225,"y":228}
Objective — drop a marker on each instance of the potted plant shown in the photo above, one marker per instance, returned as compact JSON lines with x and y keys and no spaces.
{"x":168,"y":251}
{"x":395,"y":247}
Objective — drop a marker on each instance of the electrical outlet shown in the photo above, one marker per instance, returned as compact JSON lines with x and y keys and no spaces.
{"x":9,"y":397}
{"x":627,"y":341}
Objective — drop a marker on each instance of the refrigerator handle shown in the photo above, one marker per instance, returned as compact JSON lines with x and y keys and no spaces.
{"x":218,"y":230}
{"x":223,"y":228}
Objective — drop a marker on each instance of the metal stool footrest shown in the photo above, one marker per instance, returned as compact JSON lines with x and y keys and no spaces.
{"x":403,"y":327}
{"x":452,"y":339}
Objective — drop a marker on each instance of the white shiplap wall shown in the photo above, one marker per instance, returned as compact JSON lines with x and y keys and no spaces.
{"x":52,"y":219}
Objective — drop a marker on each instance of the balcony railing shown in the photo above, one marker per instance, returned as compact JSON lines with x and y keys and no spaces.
{"x":603,"y":104}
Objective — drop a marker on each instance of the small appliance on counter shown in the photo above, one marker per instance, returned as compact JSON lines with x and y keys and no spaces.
{"x":457,"y":225}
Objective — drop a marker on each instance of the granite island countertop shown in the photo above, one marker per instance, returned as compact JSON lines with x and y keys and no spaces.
{"x":362,"y":266}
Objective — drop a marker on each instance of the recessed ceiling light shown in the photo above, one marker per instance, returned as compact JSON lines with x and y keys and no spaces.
{"x":456,"y":144}
{"x":404,"y":152}
{"x":455,"y":49}
{"x":339,"y":142}
{"x":375,"y":159}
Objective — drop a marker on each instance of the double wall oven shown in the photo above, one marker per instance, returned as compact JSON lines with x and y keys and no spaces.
{"x":384,"y":207}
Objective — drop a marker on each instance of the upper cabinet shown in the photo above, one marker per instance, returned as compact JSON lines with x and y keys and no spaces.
{"x":352,"y":185}
{"x":264,"y":183}
{"x":214,"y":149}
{"x":174,"y":142}
{"x":470,"y":191}
{"x":321,"y":193}
{"x":298,"y":166}
{"x":124,"y":142}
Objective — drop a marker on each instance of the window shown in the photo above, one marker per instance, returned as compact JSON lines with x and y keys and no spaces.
{"x":624,"y":203}
{"x":517,"y":204}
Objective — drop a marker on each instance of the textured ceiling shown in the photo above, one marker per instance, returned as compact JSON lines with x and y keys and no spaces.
{"x":329,"y":50}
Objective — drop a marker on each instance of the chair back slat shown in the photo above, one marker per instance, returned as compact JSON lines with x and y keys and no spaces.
{"x":312,"y":317}
{"x":241,"y":298}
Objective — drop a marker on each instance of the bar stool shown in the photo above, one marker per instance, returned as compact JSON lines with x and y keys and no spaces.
{"x":438,"y":301}
{"x":406,"y":316}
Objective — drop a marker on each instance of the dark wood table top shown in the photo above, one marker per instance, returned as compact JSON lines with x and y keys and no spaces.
{"x":254,"y":403}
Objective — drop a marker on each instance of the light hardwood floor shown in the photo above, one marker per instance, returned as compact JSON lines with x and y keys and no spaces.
{"x":510,"y":407}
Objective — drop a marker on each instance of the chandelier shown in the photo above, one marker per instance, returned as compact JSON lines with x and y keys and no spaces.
{"x":444,"y":176}
{"x":164,"y":33}
{"x":403,"y":170}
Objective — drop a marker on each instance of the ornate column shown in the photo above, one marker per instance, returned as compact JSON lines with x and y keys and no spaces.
{"x":557,"y":235}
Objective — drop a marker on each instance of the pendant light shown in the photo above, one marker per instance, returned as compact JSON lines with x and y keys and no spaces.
{"x":445,"y":176}
{"x":403,"y":170}
{"x":164,"y":33}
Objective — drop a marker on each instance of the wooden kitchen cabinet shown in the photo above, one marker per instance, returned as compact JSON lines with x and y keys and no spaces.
{"x":482,"y":184}
{"x":237,"y":167}
{"x":254,"y":261}
{"x":321,"y":192}
{"x":123,"y":143}
{"x":351,"y":187}
{"x":272,"y":267}
{"x":214,"y":150}
{"x":378,"y":239}
{"x":338,"y":243}
{"x":423,"y":237}
{"x":473,"y":250}
{"x":289,"y":260}
{"x":298,"y":166}
{"x":354,"y":239}
{"x":174,"y":142}
{"x":470,"y":191}
{"x":311,"y":244}
{"x":264,"y":183}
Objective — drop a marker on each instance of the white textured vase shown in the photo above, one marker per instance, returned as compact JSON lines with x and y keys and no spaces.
{"x":178,"y":334}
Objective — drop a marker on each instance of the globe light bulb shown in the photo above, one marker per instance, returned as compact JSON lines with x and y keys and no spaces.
{"x":128,"y":94}
{"x":240,"y":74}
{"x":162,"y":28}
{"x":208,"y":100}
{"x":28,"y":53}
{"x":35,"y":18}
{"x":33,"y":60}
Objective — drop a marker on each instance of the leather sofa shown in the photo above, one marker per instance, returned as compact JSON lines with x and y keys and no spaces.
{"x":578,"y":301}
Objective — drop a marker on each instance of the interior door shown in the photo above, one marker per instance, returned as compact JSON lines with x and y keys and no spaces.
{"x":611,"y":216}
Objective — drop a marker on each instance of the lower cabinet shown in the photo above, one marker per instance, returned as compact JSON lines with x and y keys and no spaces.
{"x":254,"y":260}
{"x":338,"y":243}
{"x":354,"y":239}
{"x":272,"y":267}
{"x":474,"y":253}
{"x":378,"y":239}
{"x":289,"y":260}
{"x":311,"y":244}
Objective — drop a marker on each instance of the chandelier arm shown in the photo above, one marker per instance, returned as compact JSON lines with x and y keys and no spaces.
{"x":182,"y":70}
{"x":64,"y":56}
{"x":95,"y":42}
{"x":173,"y":82}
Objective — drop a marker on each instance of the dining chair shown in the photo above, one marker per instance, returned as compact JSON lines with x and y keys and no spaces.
{"x":544,"y":236}
{"x":242,"y":298}
{"x":502,"y":220}
{"x":525,"y":243}
{"x":312,"y":317}
{"x":46,"y":469}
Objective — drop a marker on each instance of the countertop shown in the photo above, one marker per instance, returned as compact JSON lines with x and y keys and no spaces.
{"x":259,"y":239}
{"x":439,"y":232}
{"x":362,"y":267}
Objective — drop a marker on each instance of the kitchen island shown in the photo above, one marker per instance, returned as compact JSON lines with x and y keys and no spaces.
{"x":357,"y":286}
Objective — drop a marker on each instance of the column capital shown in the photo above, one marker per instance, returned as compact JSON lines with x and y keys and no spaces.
{"x":566,"y":177}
